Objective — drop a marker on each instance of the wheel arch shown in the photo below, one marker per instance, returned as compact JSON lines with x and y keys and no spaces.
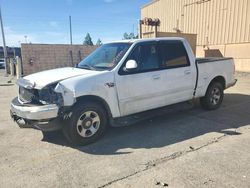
{"x":204,"y":101}
{"x":219,"y":79}
{"x":96,"y":99}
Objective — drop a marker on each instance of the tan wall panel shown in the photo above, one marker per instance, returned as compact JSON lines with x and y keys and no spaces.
{"x":242,"y":65}
{"x":200,"y":51}
{"x":239,"y":51}
{"x":221,"y":21}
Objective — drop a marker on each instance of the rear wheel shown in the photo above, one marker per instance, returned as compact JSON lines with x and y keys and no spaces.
{"x":87,"y":123}
{"x":214,"y":96}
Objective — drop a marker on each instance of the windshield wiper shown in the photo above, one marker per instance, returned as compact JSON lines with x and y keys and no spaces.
{"x":86,"y":67}
{"x":102,"y":67}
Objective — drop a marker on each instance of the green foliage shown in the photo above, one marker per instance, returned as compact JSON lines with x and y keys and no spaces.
{"x":130,"y":36}
{"x":88,"y":40}
{"x":99,"y":42}
{"x":125,"y":36}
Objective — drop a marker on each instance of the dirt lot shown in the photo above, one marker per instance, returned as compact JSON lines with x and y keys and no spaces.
{"x":192,"y":148}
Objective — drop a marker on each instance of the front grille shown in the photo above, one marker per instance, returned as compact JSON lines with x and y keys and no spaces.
{"x":28,"y":95}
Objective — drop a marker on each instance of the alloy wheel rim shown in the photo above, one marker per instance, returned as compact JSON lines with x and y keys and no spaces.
{"x":88,"y":124}
{"x":215,"y":96}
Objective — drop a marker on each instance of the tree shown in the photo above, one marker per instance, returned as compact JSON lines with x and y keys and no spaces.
{"x":132,"y":36}
{"x":99,"y":42}
{"x":129,"y":36}
{"x":88,"y":40}
{"x":125,"y":36}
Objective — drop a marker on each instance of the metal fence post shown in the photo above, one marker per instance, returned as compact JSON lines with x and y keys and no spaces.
{"x":12,"y":65}
{"x":18,"y":67}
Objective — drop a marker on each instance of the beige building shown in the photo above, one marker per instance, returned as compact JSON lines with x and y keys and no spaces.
{"x":222,"y":26}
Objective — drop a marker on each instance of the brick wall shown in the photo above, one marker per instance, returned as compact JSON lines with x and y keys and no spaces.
{"x":39,"y":57}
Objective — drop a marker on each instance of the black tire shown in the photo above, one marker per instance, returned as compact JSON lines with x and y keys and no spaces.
{"x":209,"y":101}
{"x":71,"y":129}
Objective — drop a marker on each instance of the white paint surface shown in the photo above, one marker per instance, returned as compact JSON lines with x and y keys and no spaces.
{"x":136,"y":92}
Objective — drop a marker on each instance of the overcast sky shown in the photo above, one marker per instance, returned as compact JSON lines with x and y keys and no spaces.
{"x":47,"y":21}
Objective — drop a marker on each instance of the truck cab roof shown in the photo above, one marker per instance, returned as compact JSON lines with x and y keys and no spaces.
{"x":147,"y":40}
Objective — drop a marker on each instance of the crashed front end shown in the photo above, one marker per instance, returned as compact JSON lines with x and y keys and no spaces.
{"x":38,"y":108}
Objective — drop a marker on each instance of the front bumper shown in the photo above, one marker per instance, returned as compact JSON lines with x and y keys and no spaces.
{"x":42,"y":117}
{"x":33,"y":112}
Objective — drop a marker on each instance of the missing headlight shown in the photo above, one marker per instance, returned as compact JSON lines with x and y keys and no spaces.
{"x":47,"y":95}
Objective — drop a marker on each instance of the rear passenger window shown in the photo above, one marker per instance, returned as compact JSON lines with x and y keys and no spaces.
{"x":173,"y":54}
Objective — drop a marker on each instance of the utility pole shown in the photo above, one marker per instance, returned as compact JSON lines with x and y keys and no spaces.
{"x":26,"y":39}
{"x":70,"y":28}
{"x":140,"y":29}
{"x":70,"y":52}
{"x":4,"y":44}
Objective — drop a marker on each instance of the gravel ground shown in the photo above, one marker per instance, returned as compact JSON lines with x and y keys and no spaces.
{"x":191,"y":148}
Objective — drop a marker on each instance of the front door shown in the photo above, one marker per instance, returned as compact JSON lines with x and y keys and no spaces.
{"x":140,"y":89}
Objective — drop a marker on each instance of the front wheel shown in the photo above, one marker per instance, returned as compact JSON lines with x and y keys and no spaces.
{"x":87,"y":123}
{"x":214,"y":96}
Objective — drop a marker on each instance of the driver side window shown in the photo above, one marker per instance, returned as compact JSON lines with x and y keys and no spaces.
{"x":146,"y":57}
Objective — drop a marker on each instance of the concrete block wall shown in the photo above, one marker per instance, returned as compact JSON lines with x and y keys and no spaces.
{"x":39,"y":57}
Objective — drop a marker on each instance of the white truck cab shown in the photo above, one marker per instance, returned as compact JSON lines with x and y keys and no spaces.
{"x":117,"y":80}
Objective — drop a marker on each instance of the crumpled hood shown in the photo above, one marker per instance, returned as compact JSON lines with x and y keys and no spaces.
{"x":42,"y":79}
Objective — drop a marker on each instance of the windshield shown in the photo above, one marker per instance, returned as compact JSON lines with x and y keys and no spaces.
{"x":105,"y":57}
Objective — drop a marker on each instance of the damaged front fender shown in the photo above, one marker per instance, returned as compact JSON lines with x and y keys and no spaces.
{"x":68,"y":95}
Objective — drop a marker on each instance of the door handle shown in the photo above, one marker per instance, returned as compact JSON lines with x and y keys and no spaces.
{"x":187,"y":72}
{"x":156,"y":77}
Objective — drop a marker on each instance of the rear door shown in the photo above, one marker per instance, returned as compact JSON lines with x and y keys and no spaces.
{"x":179,"y":75}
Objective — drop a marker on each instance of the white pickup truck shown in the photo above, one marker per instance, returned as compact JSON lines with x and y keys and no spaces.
{"x":117,"y":80}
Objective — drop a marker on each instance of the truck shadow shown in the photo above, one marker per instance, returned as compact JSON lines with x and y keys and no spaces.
{"x":171,"y":128}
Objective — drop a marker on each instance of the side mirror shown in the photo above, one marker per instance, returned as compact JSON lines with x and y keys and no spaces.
{"x":76,"y":65}
{"x":131,"y":65}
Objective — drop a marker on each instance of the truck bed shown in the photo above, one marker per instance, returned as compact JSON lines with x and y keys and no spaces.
{"x":211,"y":59}
{"x":210,"y":68}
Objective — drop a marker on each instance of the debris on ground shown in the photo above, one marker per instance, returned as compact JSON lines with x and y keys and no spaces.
{"x":209,"y":181}
{"x":161,"y":183}
{"x":192,"y":148}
